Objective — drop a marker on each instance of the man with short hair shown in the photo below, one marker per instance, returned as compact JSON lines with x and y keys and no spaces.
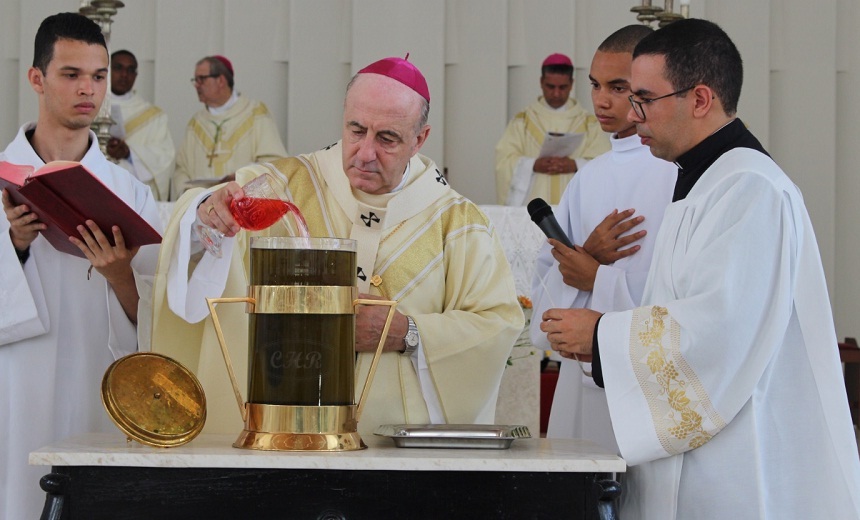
{"x":231,"y":130}
{"x":603,"y":273}
{"x":63,"y":319}
{"x":520,"y":174}
{"x":141,"y":141}
{"x":418,"y":242}
{"x":724,"y":388}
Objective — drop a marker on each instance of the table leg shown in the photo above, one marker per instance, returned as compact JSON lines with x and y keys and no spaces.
{"x":55,"y":486}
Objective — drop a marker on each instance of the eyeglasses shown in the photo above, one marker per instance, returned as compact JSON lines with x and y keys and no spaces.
{"x":640,"y":110}
{"x":200,"y":79}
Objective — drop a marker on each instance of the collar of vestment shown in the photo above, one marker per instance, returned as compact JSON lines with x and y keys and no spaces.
{"x":624,"y":144}
{"x":23,"y":153}
{"x":372,"y":216}
{"x":694,"y":162}
{"x":543,"y":106}
{"x":223,"y":109}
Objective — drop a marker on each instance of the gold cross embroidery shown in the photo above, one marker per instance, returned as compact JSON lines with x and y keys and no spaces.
{"x":216,"y":142}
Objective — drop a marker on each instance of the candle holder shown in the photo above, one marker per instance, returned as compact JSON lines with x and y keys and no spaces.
{"x":102,"y":12}
{"x":646,"y":13}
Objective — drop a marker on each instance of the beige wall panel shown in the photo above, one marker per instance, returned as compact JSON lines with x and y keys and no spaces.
{"x":475,"y":95}
{"x":187,"y":30}
{"x":383,"y":28}
{"x":11,"y":43}
{"x":846,"y":290}
{"x":319,"y":72}
{"x":803,"y":115}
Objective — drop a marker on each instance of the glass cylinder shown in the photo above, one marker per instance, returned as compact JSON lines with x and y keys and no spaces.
{"x":302,"y":359}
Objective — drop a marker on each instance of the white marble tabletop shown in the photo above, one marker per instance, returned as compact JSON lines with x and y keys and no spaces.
{"x":216,"y":451}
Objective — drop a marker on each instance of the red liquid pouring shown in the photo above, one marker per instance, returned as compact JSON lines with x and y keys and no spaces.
{"x":256,"y":214}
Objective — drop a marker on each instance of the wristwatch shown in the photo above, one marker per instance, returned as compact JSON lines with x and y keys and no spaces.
{"x":410,"y":342}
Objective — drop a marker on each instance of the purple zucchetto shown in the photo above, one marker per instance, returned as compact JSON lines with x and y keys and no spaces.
{"x":401,"y":70}
{"x":557,"y":59}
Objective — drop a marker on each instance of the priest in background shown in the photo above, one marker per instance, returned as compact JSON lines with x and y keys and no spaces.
{"x":141,"y":141}
{"x":724,"y":388}
{"x":520,"y":174}
{"x":229,"y":132}
{"x":63,"y":319}
{"x":419,"y":242}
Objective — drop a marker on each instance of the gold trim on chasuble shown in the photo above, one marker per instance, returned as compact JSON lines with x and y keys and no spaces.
{"x":220,"y":156}
{"x":683,"y":415}
{"x":138,"y":121}
{"x":556,"y":186}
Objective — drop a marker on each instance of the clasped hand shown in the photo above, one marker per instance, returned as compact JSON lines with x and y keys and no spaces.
{"x":554,"y":165}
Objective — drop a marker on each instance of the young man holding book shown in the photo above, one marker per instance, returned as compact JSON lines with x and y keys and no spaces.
{"x":63,"y":319}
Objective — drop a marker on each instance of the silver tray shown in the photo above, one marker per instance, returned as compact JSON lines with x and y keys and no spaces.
{"x":488,"y":436}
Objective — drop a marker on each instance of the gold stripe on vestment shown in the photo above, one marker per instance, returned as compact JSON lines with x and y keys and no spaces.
{"x":133,"y":124}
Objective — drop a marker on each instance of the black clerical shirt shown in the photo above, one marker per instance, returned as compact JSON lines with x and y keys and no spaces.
{"x":691,"y":166}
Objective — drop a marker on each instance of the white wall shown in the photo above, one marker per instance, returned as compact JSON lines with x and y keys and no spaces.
{"x":481,"y":58}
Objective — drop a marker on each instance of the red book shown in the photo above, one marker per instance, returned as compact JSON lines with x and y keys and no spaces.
{"x":64,"y":194}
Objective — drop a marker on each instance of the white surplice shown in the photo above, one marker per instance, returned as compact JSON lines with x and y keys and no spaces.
{"x":59,"y":332}
{"x":725,"y":391}
{"x":628,"y":176}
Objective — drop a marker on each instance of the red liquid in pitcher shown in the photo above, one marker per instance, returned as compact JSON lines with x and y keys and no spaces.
{"x":255,"y":214}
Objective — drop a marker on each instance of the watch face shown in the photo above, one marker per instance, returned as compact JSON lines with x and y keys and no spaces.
{"x":411,"y":338}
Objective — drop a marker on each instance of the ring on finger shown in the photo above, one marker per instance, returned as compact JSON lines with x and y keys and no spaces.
{"x":208,"y":211}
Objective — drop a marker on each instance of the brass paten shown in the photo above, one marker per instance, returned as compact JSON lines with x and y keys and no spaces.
{"x":154,"y":400}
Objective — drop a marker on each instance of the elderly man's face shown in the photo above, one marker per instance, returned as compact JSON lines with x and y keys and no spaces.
{"x":379,"y":138}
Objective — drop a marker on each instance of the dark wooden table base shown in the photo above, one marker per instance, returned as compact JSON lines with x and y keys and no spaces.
{"x":106,"y":492}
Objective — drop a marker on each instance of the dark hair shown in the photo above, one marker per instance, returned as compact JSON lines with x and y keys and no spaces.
{"x":217,"y":68}
{"x":567,"y":70}
{"x":124,"y":52}
{"x":625,"y":39}
{"x":64,"y":26}
{"x":698,"y":52}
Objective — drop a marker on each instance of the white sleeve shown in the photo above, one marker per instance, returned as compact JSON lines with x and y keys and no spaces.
{"x":187,"y":296}
{"x":521,"y":182}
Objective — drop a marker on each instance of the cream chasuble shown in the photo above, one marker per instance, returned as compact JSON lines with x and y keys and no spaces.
{"x":435,"y":253}
{"x":516,"y":151}
{"x":218,"y":145}
{"x":152,"y":154}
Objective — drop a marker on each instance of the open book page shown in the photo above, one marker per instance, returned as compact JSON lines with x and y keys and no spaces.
{"x":117,"y":129}
{"x":64,"y":195}
{"x":560,"y":145}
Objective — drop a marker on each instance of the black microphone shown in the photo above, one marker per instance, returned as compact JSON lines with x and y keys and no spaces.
{"x":543,"y":216}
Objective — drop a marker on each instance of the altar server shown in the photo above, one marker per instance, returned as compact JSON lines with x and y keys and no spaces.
{"x":63,"y":319}
{"x":600,"y":201}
